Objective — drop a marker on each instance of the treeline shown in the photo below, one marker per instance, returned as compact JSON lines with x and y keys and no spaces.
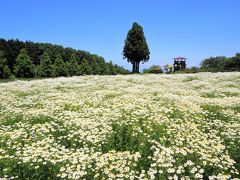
{"x":221,"y":64}
{"x":29,"y":59}
{"x":212,"y":64}
{"x":216,"y":64}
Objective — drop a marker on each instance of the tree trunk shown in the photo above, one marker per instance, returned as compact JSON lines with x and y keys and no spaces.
{"x":134,"y":67}
{"x":137,"y":67}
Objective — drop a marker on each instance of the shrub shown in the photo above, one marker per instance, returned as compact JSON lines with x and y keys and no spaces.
{"x":154,"y":69}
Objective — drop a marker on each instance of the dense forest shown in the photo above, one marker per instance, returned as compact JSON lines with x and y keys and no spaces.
{"x":29,"y":59}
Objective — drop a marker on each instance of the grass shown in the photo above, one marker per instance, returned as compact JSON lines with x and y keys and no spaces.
{"x":189,"y":79}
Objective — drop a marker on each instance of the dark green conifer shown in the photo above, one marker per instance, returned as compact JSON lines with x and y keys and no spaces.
{"x":4,"y":70}
{"x":23,"y":66}
{"x":59,"y":67}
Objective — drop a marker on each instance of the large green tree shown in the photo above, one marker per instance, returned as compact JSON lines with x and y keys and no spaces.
{"x":4,"y":70}
{"x":23,"y":66}
{"x":136,"y":48}
{"x":85,"y":68}
{"x":45,"y":69}
{"x":111,"y":68}
{"x":103,"y":68}
{"x":95,"y":67}
{"x":237,"y":60}
{"x":59,"y":67}
{"x":219,"y":63}
{"x":72,"y":65}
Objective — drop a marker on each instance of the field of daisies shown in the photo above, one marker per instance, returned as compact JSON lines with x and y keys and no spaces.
{"x":184,"y":126}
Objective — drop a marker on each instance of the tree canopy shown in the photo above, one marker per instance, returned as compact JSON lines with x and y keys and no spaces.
{"x":154,"y":69}
{"x":59,"y":67}
{"x":41,"y":57}
{"x":45,"y":68}
{"x":221,"y":63}
{"x":4,"y":70}
{"x":23,"y":66}
{"x":136,"y":48}
{"x":85,"y":69}
{"x":73,"y":66}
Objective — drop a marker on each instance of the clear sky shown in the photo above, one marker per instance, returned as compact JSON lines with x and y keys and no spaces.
{"x":195,"y":29}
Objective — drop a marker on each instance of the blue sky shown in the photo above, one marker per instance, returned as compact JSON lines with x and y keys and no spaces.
{"x":195,"y":29}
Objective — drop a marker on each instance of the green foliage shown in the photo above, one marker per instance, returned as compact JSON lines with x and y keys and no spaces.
{"x":59,"y":67}
{"x":188,"y":70}
{"x":154,"y":69}
{"x":214,"y":63}
{"x":95,"y":67}
{"x":236,"y":60}
{"x":120,"y":70}
{"x":168,"y":69}
{"x":111,"y":68}
{"x":221,"y":64}
{"x":45,"y":68}
{"x":103,"y":69}
{"x":24,"y":66}
{"x":136,"y":48}
{"x":11,"y":49}
{"x":72,"y":65}
{"x":85,"y":68}
{"x":190,"y":78}
{"x":4,"y":70}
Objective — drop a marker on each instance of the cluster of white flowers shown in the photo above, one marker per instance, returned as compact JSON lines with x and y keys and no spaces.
{"x":184,"y":126}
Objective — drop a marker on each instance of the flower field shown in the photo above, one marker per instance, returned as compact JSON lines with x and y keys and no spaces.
{"x":184,"y":126}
